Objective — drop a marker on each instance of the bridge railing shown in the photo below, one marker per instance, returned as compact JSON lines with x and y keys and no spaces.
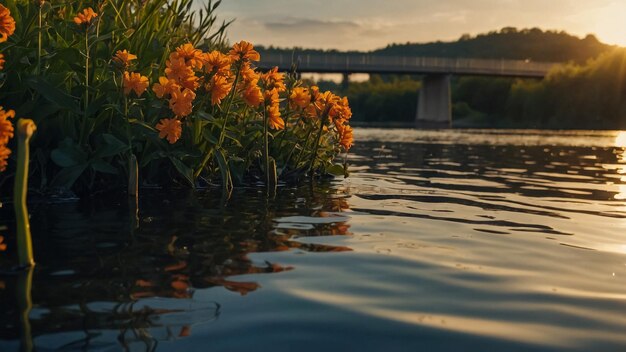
{"x":405,"y":64}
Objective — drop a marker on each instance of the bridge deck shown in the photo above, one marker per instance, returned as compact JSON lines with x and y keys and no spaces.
{"x":333,"y":63}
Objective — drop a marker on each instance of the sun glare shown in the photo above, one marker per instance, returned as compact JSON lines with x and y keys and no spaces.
{"x":620,"y":140}
{"x":608,"y":23}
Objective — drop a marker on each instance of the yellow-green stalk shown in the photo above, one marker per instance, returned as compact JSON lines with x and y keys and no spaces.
{"x":24,"y":130}
{"x":25,"y":305}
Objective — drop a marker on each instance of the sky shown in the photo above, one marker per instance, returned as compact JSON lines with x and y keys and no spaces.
{"x":372,"y":24}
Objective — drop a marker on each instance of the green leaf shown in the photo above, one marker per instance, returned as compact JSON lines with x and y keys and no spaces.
{"x":111,"y":146}
{"x":104,"y":167}
{"x":336,"y":170}
{"x":52,"y":94}
{"x":183,"y":169}
{"x":205,"y":116}
{"x":142,"y":124}
{"x":66,"y":177}
{"x":68,"y":154}
{"x":227,"y":181}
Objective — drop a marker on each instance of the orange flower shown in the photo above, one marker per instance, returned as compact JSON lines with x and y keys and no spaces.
{"x":273,"y":80}
{"x":312,"y":110}
{"x":244,"y":51}
{"x":300,"y":97}
{"x":340,"y":110}
{"x":6,"y":128}
{"x":192,"y":56}
{"x":85,"y":17}
{"x":123,"y":58}
{"x":217,"y":63}
{"x":136,"y":82}
{"x":272,"y":109}
{"x":6,"y":132}
{"x":219,"y":89}
{"x":271,"y":97}
{"x":326,"y":101}
{"x":3,"y":246}
{"x":2,"y":61}
{"x":345,"y":136}
{"x":248,"y":73}
{"x":275,"y":121}
{"x":252,"y":94}
{"x":4,"y":156}
{"x":190,"y":82}
{"x":165,"y":87}
{"x":7,"y":24}
{"x":181,"y":102}
{"x":177,"y":69}
{"x":170,"y":129}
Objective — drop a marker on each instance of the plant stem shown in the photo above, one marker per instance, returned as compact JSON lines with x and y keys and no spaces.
{"x":230,"y":103}
{"x":39,"y":43}
{"x":25,"y":305}
{"x":317,"y":143}
{"x":266,"y":149}
{"x":83,"y":129}
{"x":86,"y":72}
{"x":25,"y":129}
{"x":306,"y":143}
{"x":208,"y":155}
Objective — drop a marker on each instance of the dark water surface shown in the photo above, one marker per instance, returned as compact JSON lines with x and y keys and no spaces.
{"x":439,"y":240}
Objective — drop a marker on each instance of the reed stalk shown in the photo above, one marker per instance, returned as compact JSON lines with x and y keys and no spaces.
{"x":25,"y":129}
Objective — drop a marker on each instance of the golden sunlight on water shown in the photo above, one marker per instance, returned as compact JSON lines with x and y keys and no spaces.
{"x":620,"y":140}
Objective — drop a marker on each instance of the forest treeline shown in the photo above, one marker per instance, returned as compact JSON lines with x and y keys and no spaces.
{"x":508,"y":43}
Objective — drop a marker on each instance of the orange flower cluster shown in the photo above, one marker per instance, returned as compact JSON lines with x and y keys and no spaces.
{"x":6,"y":133}
{"x":7,"y":24}
{"x":272,"y":109}
{"x":85,"y":17}
{"x":7,"y":28}
{"x":181,"y":81}
{"x":340,"y":113}
{"x":273,"y":83}
{"x":189,"y":69}
{"x":251,"y":92}
{"x":315,"y":104}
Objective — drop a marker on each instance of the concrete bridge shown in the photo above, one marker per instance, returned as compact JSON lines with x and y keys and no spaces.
{"x":434,"y":105}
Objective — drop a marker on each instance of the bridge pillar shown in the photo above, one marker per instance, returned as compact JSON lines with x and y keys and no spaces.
{"x":345,"y":81}
{"x":434,"y":107}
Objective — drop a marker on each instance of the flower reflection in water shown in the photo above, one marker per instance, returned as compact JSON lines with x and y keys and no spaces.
{"x":135,"y":279}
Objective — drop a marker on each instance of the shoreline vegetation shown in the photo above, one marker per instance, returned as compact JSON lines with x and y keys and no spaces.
{"x":122,"y":89}
{"x":586,"y":92}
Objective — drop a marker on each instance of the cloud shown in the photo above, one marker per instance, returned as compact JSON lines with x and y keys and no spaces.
{"x":370,"y":24}
{"x":310,"y":24}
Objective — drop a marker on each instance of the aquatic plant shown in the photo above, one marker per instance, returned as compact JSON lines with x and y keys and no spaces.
{"x":25,"y":129}
{"x":154,"y":81}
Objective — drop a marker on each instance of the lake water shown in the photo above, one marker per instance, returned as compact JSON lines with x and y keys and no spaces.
{"x":439,"y":240}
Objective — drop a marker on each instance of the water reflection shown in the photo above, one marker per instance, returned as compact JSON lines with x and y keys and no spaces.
{"x":105,"y":272}
{"x":444,"y":240}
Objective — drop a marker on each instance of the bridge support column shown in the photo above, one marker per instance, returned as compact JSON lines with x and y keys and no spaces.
{"x":434,"y":107}
{"x":345,"y":81}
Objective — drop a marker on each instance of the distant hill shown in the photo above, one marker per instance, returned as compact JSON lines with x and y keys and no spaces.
{"x":508,"y":43}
